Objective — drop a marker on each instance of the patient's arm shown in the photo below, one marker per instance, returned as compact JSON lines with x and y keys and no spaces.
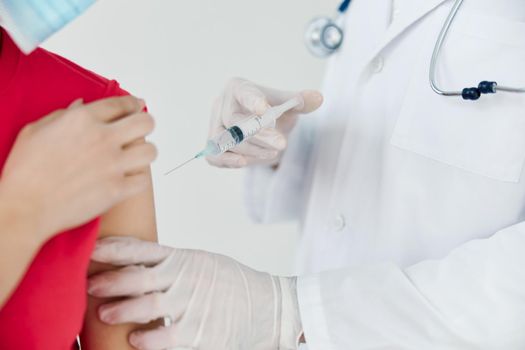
{"x":135,"y":217}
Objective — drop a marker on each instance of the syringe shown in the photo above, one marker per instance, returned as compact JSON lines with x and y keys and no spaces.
{"x":241,"y":132}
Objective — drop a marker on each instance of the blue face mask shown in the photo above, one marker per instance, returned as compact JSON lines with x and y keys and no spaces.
{"x":31,"y":22}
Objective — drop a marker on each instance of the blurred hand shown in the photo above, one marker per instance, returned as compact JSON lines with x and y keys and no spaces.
{"x":214,"y":302}
{"x":242,"y":99}
{"x":76,"y":164}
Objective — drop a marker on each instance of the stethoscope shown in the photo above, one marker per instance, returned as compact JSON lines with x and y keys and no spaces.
{"x":324,"y":36}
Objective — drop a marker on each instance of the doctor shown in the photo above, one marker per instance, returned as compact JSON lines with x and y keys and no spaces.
{"x":411,"y":203}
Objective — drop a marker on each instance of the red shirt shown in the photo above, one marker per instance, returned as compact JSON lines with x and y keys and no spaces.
{"x":47,"y":308}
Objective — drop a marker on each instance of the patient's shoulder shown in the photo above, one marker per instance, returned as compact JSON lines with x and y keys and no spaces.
{"x":52,"y":82}
{"x":52,"y":69}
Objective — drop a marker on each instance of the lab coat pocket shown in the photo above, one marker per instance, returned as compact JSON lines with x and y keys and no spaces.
{"x":485,"y":137}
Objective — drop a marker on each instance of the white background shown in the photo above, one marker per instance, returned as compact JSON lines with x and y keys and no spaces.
{"x":178,"y":55}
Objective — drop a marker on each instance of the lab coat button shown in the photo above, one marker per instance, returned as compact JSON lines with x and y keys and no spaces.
{"x":339,"y":223}
{"x":377,"y":64}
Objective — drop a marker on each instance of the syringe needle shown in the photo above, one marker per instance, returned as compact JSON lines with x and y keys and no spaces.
{"x":180,"y":166}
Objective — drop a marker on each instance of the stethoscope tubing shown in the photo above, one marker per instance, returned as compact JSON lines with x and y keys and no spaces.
{"x":344,"y":6}
{"x":322,"y":49}
{"x":437,"y":51}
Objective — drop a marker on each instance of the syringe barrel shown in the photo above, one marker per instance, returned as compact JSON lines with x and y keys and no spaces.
{"x":233,"y":136}
{"x":248,"y":128}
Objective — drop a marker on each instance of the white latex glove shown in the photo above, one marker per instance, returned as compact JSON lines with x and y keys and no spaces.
{"x":242,"y":99}
{"x":214,"y":302}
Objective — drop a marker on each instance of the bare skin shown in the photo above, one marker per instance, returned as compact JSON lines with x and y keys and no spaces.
{"x":135,"y":217}
{"x":86,"y":142}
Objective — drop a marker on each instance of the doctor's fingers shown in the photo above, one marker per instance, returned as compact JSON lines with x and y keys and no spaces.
{"x":239,"y":100}
{"x":249,"y":96}
{"x":248,"y":149}
{"x":122,"y":251}
{"x":269,"y":138}
{"x":144,"y":309}
{"x":231,"y":160}
{"x":131,"y":280}
{"x":311,"y":99}
{"x":160,"y":338}
{"x":257,"y":98}
{"x":227,"y":160}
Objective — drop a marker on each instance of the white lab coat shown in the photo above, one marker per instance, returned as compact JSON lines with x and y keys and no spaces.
{"x":412,"y":205}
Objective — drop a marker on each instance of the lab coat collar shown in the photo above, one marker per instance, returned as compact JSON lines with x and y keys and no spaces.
{"x":418,"y":10}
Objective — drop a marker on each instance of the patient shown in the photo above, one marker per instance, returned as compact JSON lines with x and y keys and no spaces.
{"x":47,"y":309}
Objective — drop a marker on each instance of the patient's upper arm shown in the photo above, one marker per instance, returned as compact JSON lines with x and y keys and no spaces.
{"x":135,"y":217}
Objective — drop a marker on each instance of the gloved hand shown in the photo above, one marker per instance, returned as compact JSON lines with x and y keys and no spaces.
{"x":214,"y":302}
{"x":241,"y":99}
